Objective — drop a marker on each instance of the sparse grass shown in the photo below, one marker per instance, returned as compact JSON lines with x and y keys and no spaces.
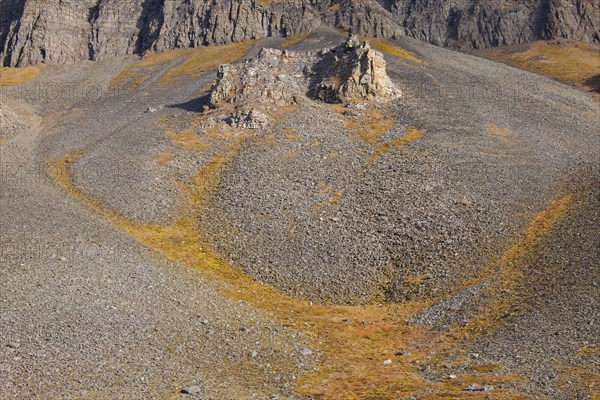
{"x":187,"y":139}
{"x":583,"y":376}
{"x":502,"y":135}
{"x":334,"y":7}
{"x":387,"y":47}
{"x":417,"y":279}
{"x":335,"y":198}
{"x":485,"y":368}
{"x":193,"y":62}
{"x":292,"y":40}
{"x":15,"y":76}
{"x":411,"y":134}
{"x":576,"y":63}
{"x":374,"y":123}
{"x":265,"y":3}
{"x":164,"y":158}
{"x":508,"y":274}
{"x":369,"y":126}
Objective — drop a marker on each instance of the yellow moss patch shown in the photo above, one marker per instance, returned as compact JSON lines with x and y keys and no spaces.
{"x":187,"y":139}
{"x":584,"y":376}
{"x":288,"y":155}
{"x":508,"y":275}
{"x":417,"y":279}
{"x":165,"y":157}
{"x":502,"y":135}
{"x":483,"y":367}
{"x":412,"y":134}
{"x":339,"y":195}
{"x":15,"y":76}
{"x":571,"y":62}
{"x":387,"y":47}
{"x":292,"y":136}
{"x":265,"y":3}
{"x":194,"y":62}
{"x":324,"y":190}
{"x":292,"y":40}
{"x":370,"y":126}
{"x":203,"y":59}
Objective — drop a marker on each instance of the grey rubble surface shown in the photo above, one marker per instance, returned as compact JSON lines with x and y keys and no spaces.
{"x":87,"y":311}
{"x":33,"y":31}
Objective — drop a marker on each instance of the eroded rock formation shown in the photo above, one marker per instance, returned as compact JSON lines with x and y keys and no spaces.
{"x":349,"y":72}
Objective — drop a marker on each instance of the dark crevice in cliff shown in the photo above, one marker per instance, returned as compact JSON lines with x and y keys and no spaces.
{"x":541,"y":20}
{"x":594,"y":84}
{"x":93,"y":15}
{"x":149,"y":25}
{"x":11,"y":12}
{"x":453,"y":26}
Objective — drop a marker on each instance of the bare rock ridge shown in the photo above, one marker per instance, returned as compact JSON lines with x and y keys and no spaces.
{"x":33,"y":31}
{"x":488,"y":23}
{"x":352,"y":71}
{"x":40,"y":31}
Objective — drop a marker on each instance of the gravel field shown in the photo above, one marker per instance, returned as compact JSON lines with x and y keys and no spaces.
{"x":86,"y":311}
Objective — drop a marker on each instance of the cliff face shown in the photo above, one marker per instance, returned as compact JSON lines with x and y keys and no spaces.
{"x":487,"y":23}
{"x":33,"y":31}
{"x":51,"y":31}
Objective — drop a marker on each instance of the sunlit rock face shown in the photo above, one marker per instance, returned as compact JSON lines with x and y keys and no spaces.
{"x":350,"y":71}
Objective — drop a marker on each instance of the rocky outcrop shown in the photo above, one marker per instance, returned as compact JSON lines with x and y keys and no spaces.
{"x":482,"y":23}
{"x":70,"y":30}
{"x":348,"y":72}
{"x":34,"y":31}
{"x":46,"y":31}
{"x":575,"y":19}
{"x":362,"y":17}
{"x":275,"y":77}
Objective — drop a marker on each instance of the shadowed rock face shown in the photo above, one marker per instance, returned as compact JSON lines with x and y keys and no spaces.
{"x":35,"y":31}
{"x":483,"y":23}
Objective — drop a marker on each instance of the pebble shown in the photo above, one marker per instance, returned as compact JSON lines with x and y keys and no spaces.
{"x":475,"y":387}
{"x":306,"y":351}
{"x":387,"y":362}
{"x":192,"y":390}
